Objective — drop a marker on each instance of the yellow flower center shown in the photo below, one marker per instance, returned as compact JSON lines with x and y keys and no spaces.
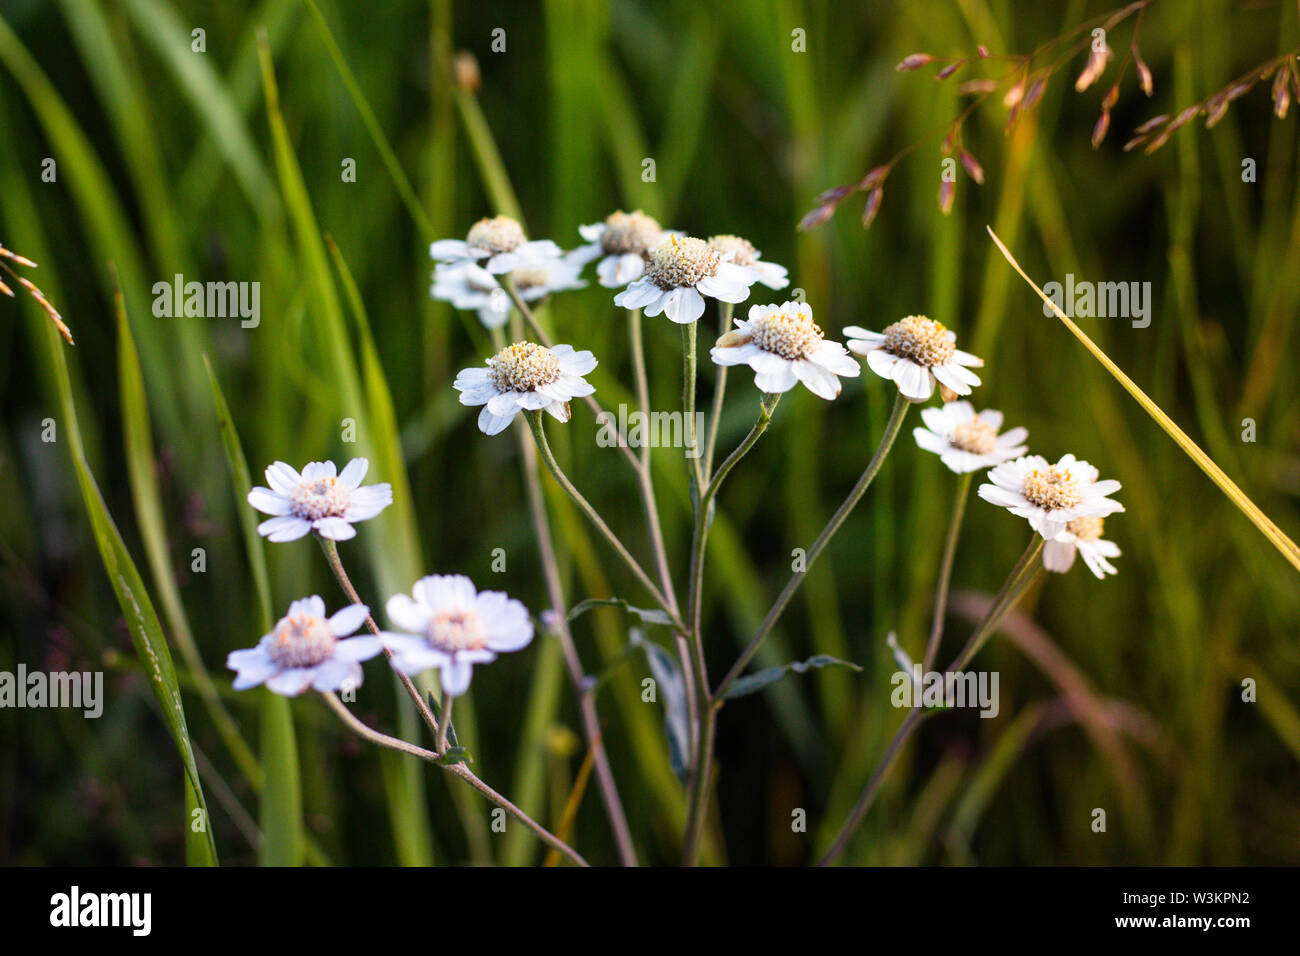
{"x":523,"y":367}
{"x":458,"y":630}
{"x":1086,"y":529}
{"x":302,"y":640}
{"x":677,"y":263}
{"x":320,"y":498}
{"x":786,"y":332}
{"x":975,"y":436}
{"x":630,"y":232}
{"x":500,"y":234}
{"x":1052,"y":489}
{"x":742,"y":251}
{"x":919,"y":339}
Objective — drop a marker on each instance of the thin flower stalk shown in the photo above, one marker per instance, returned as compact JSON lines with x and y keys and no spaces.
{"x":544,"y":448}
{"x":1025,"y":571}
{"x":573,"y":663}
{"x":719,"y":391}
{"x":458,"y":769}
{"x":892,"y":428}
{"x":945,"y":570}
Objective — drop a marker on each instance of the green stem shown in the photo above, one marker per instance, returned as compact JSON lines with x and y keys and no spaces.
{"x":702,"y":770}
{"x":336,"y":565}
{"x":945,"y":571}
{"x":693,"y":449}
{"x":892,"y":428}
{"x":544,"y":448}
{"x":1017,"y":582}
{"x":719,"y":390}
{"x":444,"y":721}
{"x":459,"y":769}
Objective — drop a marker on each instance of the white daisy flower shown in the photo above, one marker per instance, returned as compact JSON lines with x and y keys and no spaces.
{"x":742,"y":253}
{"x":1050,"y":496}
{"x":914,"y":352}
{"x":525,"y":376}
{"x":473,"y":287}
{"x":501,"y":241}
{"x":967,"y":442}
{"x":1084,"y":536}
{"x":307,"y":649}
{"x":783,"y":345}
{"x":679,"y":273}
{"x":622,"y":243}
{"x":317,"y":500}
{"x":453,"y":627}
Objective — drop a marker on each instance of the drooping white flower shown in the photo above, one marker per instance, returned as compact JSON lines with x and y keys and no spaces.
{"x":742,"y":253}
{"x":679,"y":273}
{"x":965,"y":441}
{"x":1050,"y":496}
{"x":914,"y":352}
{"x":783,"y":345}
{"x":470,"y":286}
{"x":307,"y":649}
{"x":525,"y":376}
{"x":452,"y":626}
{"x":317,"y":500}
{"x":622,"y":243}
{"x":500,"y":240}
{"x":1082,"y":535}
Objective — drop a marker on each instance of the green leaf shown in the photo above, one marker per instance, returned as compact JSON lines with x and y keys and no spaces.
{"x":756,"y":682}
{"x":142,"y":621}
{"x":650,"y":616}
{"x":455,"y":755}
{"x":671,"y":688}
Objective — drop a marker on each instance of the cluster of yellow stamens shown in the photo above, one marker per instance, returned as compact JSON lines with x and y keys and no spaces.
{"x":322,"y":497}
{"x":679,"y":262}
{"x":1052,"y":489}
{"x":630,"y":232}
{"x":302,"y":640}
{"x":920,"y":339}
{"x":742,"y":251}
{"x":499,"y":234}
{"x":458,"y":630}
{"x":523,"y":367}
{"x":530,"y":278}
{"x":788,"y":331}
{"x":975,"y":436}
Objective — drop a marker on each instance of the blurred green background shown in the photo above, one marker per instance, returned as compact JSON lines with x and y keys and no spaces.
{"x":1123,"y":695}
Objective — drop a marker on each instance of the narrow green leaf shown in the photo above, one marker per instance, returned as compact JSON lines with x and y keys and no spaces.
{"x":756,"y":682}
{"x":671,"y":689}
{"x":142,"y":621}
{"x":647,"y":616}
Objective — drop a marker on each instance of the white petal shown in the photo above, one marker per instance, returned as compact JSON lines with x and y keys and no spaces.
{"x":293,"y":681}
{"x":336,"y":529}
{"x":816,"y":379}
{"x":354,"y":473}
{"x":455,"y":675}
{"x":347,"y":620}
{"x":268,"y":502}
{"x":913,"y":381}
{"x":683,"y":306}
{"x":1058,"y":556}
{"x":407,"y":613}
{"x":284,"y":528}
{"x":367,"y":502}
{"x":282,"y":478}
{"x":358,"y":648}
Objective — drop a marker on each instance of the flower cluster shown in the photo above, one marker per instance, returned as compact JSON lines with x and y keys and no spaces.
{"x":447,"y":624}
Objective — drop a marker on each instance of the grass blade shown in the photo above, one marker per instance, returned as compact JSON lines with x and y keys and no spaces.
{"x":142,"y":620}
{"x":1275,"y":535}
